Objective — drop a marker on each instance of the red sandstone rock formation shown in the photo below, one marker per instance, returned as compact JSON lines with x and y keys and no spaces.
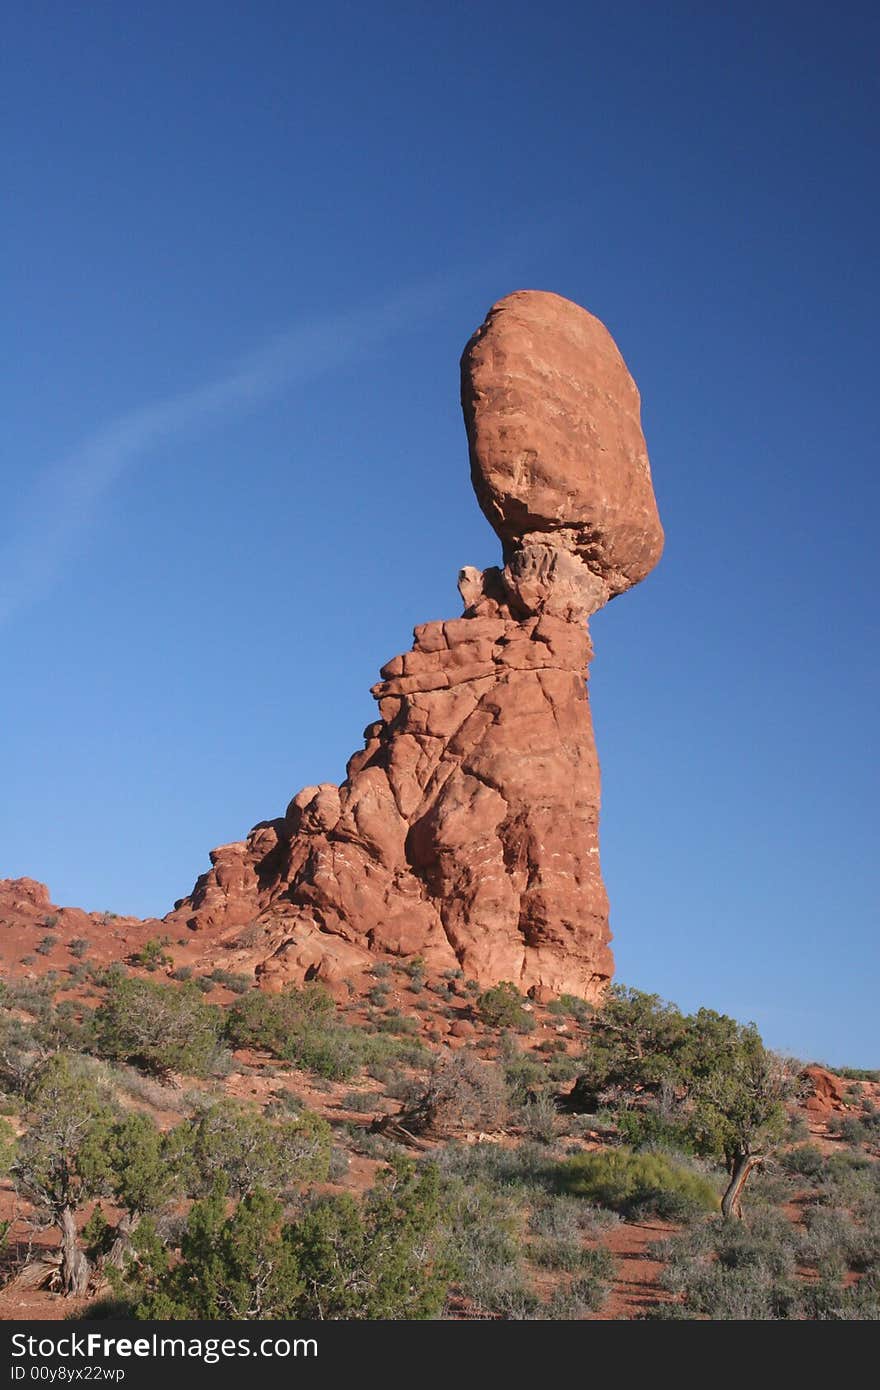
{"x":466,"y":830}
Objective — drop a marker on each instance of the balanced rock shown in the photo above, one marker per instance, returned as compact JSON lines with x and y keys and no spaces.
{"x":558,"y":458}
{"x":466,"y":830}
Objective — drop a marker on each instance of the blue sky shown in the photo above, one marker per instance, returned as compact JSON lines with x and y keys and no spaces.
{"x":245,"y":245}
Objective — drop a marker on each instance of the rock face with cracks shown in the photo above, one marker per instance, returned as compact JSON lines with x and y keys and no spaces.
{"x":466,"y":830}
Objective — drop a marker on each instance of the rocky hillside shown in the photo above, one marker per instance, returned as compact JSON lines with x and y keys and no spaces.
{"x":559,"y":1161}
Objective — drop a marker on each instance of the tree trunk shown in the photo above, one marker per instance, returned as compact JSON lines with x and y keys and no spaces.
{"x":122,"y":1240}
{"x":731,"y":1202}
{"x":75,"y":1267}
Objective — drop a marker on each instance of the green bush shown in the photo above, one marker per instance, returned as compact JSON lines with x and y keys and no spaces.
{"x":238,"y":1267}
{"x":502,"y":1006}
{"x":398,"y":1023}
{"x":637,"y":1182}
{"x":152,"y":955}
{"x":571,"y":1007}
{"x":381,"y":1258}
{"x":300,"y":1026}
{"x":268,"y":1021}
{"x":650,"y":1127}
{"x":523,"y":1073}
{"x":161,"y":1028}
{"x":253,"y":1152}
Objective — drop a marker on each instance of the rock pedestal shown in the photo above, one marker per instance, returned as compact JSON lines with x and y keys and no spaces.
{"x":466,"y":831}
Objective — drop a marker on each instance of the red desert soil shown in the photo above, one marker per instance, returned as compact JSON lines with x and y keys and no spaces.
{"x":635,"y":1287}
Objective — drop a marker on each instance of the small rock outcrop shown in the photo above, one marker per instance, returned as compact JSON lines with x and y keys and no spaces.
{"x":466,"y":830}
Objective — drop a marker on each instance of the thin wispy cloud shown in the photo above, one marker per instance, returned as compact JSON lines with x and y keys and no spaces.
{"x":65,"y":501}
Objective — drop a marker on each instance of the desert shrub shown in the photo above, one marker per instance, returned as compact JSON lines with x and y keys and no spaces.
{"x":161,"y":1028}
{"x":239,"y":1266}
{"x":7,"y":1146}
{"x":105,"y":976}
{"x":797,"y":1130}
{"x":152,"y":955}
{"x":746,"y":1270}
{"x":236,"y":983}
{"x":48,"y":1027}
{"x":562,"y":1068}
{"x":395,"y":1022}
{"x":649,"y":1125}
{"x":829,"y":1300}
{"x":382,"y":1258}
{"x":378,"y":995}
{"x":503,"y":1006}
{"x":340,"y":1162}
{"x":849,"y":1177}
{"x":45,"y":945}
{"x":829,"y":1239}
{"x":299,"y":1025}
{"x":78,"y":947}
{"x":360,"y":1102}
{"x":250,"y":936}
{"x":772,"y":1186}
{"x":525,"y":1169}
{"x":806,"y":1161}
{"x":368,"y":1142}
{"x":522,"y":1072}
{"x":572,"y":1255}
{"x":254,"y":1152}
{"x":637,"y":1182}
{"x":539,"y":1117}
{"x":483,"y":1230}
{"x":747,"y":1294}
{"x":569,"y":1006}
{"x":182,"y":973}
{"x":557,"y":1216}
{"x":584,"y":1294}
{"x":850,"y":1128}
{"x":459,"y":1091}
{"x":856,"y":1073}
